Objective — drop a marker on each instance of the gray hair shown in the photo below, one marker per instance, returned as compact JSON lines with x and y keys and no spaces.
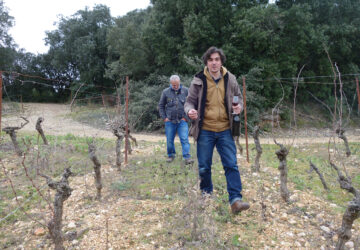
{"x":174,"y":78}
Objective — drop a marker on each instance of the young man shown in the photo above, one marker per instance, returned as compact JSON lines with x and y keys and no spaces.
{"x":171,"y":108}
{"x":209,"y":106}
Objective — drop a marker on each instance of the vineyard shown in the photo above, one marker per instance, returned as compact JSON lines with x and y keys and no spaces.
{"x":151,"y":204}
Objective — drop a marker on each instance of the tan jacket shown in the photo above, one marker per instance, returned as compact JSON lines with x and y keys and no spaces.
{"x":197,"y":95}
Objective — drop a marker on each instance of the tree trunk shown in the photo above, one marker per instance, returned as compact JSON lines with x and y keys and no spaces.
{"x":281,"y":155}
{"x":351,"y":214}
{"x":11,"y":132}
{"x":40,"y":130}
{"x":97,"y":169}
{"x":63,"y":192}
{"x":119,"y":139}
{"x":238,"y":145}
{"x":352,"y":211}
{"x":258,"y":148}
{"x":340,"y":133}
{"x":12,"y":135}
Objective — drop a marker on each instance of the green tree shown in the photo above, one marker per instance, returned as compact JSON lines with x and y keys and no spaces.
{"x":164,"y":35}
{"x":7,"y":45}
{"x":127,"y":53}
{"x":78,"y":47}
{"x":255,"y":47}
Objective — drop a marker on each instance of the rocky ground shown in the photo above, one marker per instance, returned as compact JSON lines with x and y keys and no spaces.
{"x":122,"y":220}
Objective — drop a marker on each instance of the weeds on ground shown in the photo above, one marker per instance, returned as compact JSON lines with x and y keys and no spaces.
{"x":51,"y":160}
{"x":194,"y":221}
{"x":300,"y":175}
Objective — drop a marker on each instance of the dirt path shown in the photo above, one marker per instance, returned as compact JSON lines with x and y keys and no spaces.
{"x":57,"y":123}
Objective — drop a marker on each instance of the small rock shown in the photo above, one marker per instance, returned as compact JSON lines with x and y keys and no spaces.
{"x":39,"y":231}
{"x":319,"y":216}
{"x":294,"y":197}
{"x":75,"y":242}
{"x":302,"y":234}
{"x":290,"y":234}
{"x":325,"y":229}
{"x":71,"y":225}
{"x":349,"y":244}
{"x":40,"y":245}
{"x":284,"y":217}
{"x":20,"y":224}
{"x":283,"y":243}
{"x":148,"y":234}
{"x":335,"y":238}
{"x":298,"y":244}
{"x":292,"y":222}
{"x":333,"y":205}
{"x":19,"y":198}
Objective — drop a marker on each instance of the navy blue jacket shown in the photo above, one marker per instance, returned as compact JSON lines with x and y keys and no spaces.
{"x":171,"y":104}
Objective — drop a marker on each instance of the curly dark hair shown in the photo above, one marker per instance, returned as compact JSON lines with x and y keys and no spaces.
{"x":211,"y":51}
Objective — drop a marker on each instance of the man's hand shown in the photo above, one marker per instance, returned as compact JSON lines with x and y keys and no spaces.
{"x":166,"y":119}
{"x":193,"y":114}
{"x":237,"y":109}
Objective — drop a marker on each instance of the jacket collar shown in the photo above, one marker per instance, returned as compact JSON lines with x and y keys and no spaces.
{"x":174,"y":89}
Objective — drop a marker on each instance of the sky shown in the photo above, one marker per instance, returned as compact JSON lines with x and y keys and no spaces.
{"x":34,"y":17}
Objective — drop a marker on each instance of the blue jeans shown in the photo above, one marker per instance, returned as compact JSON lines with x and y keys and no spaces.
{"x":225,"y":145}
{"x":182,"y":130}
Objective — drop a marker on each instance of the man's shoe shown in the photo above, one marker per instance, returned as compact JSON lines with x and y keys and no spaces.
{"x":189,"y":161}
{"x":169,"y":159}
{"x":239,"y":206}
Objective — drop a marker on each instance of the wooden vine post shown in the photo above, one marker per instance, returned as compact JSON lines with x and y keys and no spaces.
{"x":245,"y":120}
{"x":126,"y":120}
{"x":0,"y":98}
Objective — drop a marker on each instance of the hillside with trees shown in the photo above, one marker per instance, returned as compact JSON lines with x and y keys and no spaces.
{"x":266,"y":43}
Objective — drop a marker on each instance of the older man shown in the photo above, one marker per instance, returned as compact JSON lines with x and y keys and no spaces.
{"x":171,"y":108}
{"x":209,"y":105}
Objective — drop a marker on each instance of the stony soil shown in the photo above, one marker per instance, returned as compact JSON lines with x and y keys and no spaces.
{"x":307,"y":222}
